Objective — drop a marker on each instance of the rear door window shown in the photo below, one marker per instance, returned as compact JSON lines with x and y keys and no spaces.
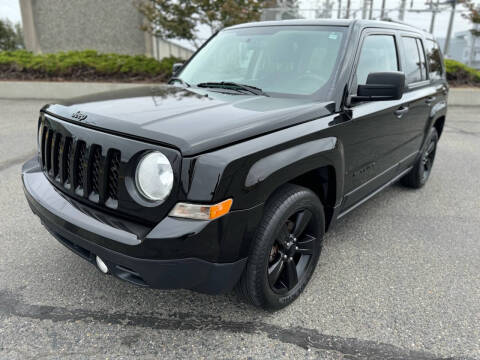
{"x":413,"y":63}
{"x":423,"y":63}
{"x":378,"y":54}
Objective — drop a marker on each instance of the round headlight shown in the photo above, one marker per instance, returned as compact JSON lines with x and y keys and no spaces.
{"x":154,"y":177}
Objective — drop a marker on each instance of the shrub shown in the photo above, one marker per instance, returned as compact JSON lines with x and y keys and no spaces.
{"x":83,"y":66}
{"x":461,"y":74}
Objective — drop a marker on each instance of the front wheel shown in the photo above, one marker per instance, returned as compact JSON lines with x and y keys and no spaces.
{"x":285,"y":249}
{"x":418,"y":176}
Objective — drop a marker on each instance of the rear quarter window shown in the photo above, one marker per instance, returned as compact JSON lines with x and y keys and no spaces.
{"x":434,"y":59}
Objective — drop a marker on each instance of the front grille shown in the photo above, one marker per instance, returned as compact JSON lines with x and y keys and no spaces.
{"x":86,"y":165}
{"x":81,"y":168}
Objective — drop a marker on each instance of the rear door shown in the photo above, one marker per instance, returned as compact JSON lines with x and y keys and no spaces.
{"x":419,"y":94}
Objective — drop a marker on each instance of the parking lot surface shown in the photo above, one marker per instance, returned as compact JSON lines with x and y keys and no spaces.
{"x":399,"y":278}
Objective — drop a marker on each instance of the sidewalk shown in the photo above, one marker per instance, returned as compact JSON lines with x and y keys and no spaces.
{"x":46,"y":90}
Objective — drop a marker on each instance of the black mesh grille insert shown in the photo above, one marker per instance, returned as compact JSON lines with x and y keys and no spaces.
{"x":42,"y":149}
{"x":67,"y":160}
{"x":56,"y":154}
{"x":96,"y":169}
{"x":80,"y":170}
{"x":48,"y":149}
{"x":113,"y":172}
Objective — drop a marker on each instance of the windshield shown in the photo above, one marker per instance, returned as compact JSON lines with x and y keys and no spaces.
{"x":288,"y":60}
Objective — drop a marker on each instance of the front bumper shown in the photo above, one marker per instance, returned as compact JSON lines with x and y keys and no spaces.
{"x":142,"y":255}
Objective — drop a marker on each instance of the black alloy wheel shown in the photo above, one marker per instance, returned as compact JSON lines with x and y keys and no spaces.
{"x":285,"y":248}
{"x":428,"y":157}
{"x":291,"y":253}
{"x":422,"y":169}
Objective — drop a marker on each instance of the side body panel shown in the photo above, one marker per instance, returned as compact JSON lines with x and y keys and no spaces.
{"x":367,"y":146}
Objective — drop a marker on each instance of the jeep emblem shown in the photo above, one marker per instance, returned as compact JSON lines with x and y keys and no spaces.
{"x":79,"y":116}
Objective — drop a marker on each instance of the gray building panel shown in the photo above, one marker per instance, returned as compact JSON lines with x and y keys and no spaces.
{"x":106,"y":25}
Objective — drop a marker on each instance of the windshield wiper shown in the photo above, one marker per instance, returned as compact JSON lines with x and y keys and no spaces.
{"x":181,"y":81}
{"x":232,"y":86}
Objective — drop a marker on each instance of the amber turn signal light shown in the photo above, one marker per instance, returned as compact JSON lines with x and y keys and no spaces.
{"x":201,"y":212}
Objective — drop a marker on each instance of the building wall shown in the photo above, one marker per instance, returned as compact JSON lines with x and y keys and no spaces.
{"x":108,"y":26}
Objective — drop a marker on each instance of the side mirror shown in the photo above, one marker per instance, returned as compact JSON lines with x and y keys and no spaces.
{"x":381,"y":86}
{"x":176,"y":68}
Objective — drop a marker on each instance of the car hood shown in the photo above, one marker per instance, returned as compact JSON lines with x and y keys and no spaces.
{"x":190,"y":119}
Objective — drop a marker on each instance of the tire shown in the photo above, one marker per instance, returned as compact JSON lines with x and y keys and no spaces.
{"x":275,"y":258}
{"x":418,"y":176}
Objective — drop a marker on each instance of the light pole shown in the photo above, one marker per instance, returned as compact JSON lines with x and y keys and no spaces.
{"x":450,"y":26}
{"x":382,"y":11}
{"x":401,"y":12}
{"x":434,"y":14}
{"x":364,"y":9}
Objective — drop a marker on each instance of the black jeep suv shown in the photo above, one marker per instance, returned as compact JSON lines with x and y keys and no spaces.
{"x":230,"y":176}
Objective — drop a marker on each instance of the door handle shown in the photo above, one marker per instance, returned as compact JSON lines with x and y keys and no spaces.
{"x":401,"y":111}
{"x":430,"y":99}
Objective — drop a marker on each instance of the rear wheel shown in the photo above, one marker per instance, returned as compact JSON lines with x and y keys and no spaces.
{"x":420,"y":172}
{"x":285,"y":249}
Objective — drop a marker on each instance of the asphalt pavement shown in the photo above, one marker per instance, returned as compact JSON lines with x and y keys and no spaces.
{"x":399,"y":278}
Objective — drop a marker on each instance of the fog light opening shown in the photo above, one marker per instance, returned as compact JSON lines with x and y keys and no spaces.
{"x":101,"y":265}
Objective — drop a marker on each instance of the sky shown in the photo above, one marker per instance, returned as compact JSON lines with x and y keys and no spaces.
{"x":10,"y":9}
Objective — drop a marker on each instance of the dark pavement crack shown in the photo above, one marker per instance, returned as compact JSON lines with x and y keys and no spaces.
{"x":351,"y":348}
{"x":461,"y":131}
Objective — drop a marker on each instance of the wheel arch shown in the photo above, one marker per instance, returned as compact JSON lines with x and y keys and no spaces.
{"x":319,"y":171}
{"x":322,"y":181}
{"x":439,"y":124}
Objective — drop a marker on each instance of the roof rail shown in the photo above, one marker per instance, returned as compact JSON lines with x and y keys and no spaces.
{"x":402,"y":23}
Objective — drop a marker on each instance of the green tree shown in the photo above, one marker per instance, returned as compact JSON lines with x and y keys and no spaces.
{"x":473,"y":15}
{"x":171,"y":19}
{"x":11,"y":36}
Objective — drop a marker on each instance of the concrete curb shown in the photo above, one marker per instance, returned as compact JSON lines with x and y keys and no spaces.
{"x":50,"y":90}
{"x":45,"y":90}
{"x":464,"y":97}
